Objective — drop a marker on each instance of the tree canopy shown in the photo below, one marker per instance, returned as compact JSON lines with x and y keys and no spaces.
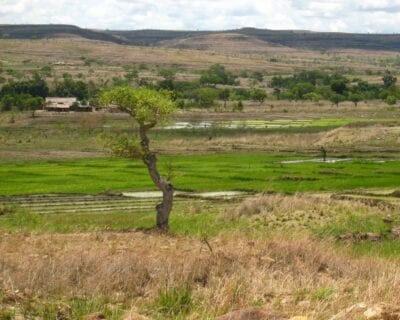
{"x":146,"y":106}
{"x":217,"y":74}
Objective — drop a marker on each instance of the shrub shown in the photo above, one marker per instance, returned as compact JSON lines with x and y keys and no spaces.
{"x":7,"y":210}
{"x":391,"y":100}
{"x":174,"y":301}
{"x":238,"y":106}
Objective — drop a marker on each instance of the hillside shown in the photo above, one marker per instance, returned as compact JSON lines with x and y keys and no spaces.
{"x":227,"y":43}
{"x":54,"y":31}
{"x":288,"y":38}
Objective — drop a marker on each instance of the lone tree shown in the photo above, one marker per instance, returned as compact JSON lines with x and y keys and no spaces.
{"x":389,"y":80}
{"x":148,"y":107}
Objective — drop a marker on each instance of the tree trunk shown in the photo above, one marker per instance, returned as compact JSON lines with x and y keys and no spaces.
{"x":150,"y":160}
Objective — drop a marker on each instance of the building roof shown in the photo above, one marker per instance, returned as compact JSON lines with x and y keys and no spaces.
{"x":61,"y":100}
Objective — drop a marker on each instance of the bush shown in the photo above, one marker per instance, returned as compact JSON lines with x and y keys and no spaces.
{"x":205,"y":97}
{"x":36,"y":87}
{"x":7,"y":210}
{"x":238,"y":106}
{"x":391,"y":100}
{"x":174,"y":301}
{"x":258,"y":95}
{"x":217,"y":74}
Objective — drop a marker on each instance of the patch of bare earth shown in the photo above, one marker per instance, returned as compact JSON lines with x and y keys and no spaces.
{"x":49,"y":154}
{"x":281,"y":274}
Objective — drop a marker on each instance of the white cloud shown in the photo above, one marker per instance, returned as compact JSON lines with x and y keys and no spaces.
{"x":318,"y":15}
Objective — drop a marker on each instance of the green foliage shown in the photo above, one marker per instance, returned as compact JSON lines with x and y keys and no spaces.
{"x":36,"y":87}
{"x":299,"y":90}
{"x":350,"y":223}
{"x":317,"y":85}
{"x":391,"y":100}
{"x":339,"y":85}
{"x":131,"y":74}
{"x":205,"y":97}
{"x":238,"y":106}
{"x":244,"y":74}
{"x":15,"y":73}
{"x":322,"y":294}
{"x":336,"y":98}
{"x":7,"y":313}
{"x":217,"y":74}
{"x":174,"y":301}
{"x":20,"y":219}
{"x":389,"y":80}
{"x":313,"y":96}
{"x":123,"y":145}
{"x":147,"y":106}
{"x":46,"y":71}
{"x":6,"y":210}
{"x":224,"y":94}
{"x":21,"y":102}
{"x":258,"y":76}
{"x":168,"y":73}
{"x":258,"y":95}
{"x":355,"y":98}
{"x":66,"y":309}
{"x":70,"y":88}
{"x":239,"y":94}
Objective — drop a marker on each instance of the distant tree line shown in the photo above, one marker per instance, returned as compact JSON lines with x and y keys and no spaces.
{"x":215,"y":83}
{"x":319,"y":85}
{"x":216,"y":87}
{"x":23,"y":95}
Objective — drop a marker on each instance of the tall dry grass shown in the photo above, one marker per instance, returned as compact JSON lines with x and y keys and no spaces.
{"x":280,"y":204}
{"x":297,"y":276}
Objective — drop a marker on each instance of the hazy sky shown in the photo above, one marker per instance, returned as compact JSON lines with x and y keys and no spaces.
{"x":318,"y":15}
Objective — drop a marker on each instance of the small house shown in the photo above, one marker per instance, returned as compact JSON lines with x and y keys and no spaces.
{"x":59,"y":104}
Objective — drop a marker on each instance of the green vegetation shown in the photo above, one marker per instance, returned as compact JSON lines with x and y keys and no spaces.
{"x":61,"y":308}
{"x":217,"y":74}
{"x":174,"y":301}
{"x":183,"y":222}
{"x":351,"y":223}
{"x":247,"y":171}
{"x":320,"y":85}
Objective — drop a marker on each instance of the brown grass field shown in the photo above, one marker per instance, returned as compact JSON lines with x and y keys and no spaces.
{"x":296,"y":276}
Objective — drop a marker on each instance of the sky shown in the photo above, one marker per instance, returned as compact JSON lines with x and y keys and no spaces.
{"x":364,"y":16}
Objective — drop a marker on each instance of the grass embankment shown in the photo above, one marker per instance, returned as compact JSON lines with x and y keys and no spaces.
{"x":240,"y":171}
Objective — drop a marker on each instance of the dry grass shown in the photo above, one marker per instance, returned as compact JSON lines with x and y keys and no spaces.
{"x":302,"y":211}
{"x":279,"y":273}
{"x":368,"y":136}
{"x":255,"y":142}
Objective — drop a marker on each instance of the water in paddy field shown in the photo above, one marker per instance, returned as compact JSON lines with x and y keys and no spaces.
{"x":315,"y":160}
{"x":158,"y":194}
{"x":334,"y":160}
{"x":236,"y":124}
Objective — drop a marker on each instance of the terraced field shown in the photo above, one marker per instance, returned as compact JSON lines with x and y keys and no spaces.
{"x":140,"y":202}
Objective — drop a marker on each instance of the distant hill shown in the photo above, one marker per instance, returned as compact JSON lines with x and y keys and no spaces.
{"x":287,"y":38}
{"x":39,"y":31}
{"x":227,"y":43}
